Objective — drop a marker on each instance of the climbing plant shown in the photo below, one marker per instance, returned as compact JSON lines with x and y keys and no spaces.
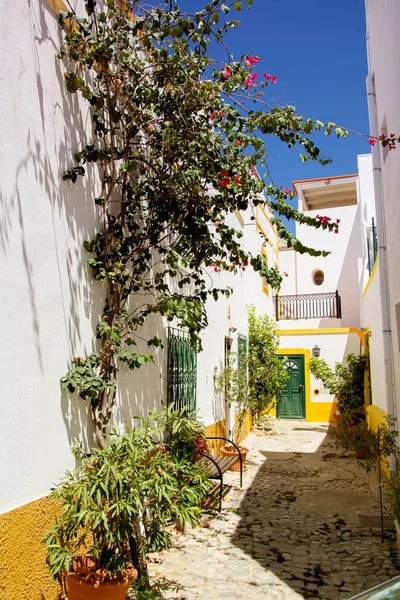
{"x":267,"y":373}
{"x":345,"y":381}
{"x":173,"y":146}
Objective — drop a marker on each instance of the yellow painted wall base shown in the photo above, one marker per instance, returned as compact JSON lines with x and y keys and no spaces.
{"x":216,"y":429}
{"x":377,"y":416}
{"x":24,"y":573}
{"x":246,"y":427}
{"x":219,"y":430}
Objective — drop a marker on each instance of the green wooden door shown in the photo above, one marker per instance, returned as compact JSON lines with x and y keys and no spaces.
{"x":291,"y":400}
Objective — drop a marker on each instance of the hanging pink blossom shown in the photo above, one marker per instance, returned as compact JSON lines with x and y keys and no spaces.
{"x":226,"y":72}
{"x":252,"y":60}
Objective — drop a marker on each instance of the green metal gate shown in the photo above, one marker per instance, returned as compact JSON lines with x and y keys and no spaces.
{"x":181,"y":371}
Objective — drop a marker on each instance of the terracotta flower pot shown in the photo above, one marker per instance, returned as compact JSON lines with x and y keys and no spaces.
{"x":231,"y":451}
{"x":362,"y":454}
{"x":80,"y":589}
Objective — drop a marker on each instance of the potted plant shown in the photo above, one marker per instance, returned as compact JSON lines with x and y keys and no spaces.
{"x":353,"y":433}
{"x":231,"y":382}
{"x":114,"y":507}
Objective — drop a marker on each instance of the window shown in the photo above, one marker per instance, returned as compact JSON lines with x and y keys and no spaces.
{"x":318,"y":277}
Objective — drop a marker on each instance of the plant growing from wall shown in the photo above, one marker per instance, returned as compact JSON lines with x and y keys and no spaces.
{"x":172,"y":148}
{"x":267,"y":373}
{"x":345,"y":382}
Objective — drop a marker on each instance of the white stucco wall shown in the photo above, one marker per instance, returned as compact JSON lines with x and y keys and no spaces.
{"x":48,"y":302}
{"x":340,"y":267}
{"x":231,"y":312}
{"x":383,"y":17}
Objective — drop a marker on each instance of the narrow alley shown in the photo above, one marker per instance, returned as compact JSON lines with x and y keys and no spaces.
{"x":305,"y":525}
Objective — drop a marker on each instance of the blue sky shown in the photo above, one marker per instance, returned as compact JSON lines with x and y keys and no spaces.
{"x":317,"y":49}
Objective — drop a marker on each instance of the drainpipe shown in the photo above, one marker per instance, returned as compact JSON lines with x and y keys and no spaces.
{"x":382,"y":253}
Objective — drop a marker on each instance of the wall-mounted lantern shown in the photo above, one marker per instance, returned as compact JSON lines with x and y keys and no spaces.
{"x":232,"y":329}
{"x":316,"y":351}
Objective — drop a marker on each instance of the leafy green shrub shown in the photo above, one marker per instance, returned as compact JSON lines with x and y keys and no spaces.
{"x":267,"y":373}
{"x":346,"y":382}
{"x":116,"y":504}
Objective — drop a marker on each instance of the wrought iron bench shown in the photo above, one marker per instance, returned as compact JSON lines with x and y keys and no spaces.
{"x":218,"y":465}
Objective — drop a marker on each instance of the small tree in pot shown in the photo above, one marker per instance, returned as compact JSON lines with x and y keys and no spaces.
{"x":116,"y":504}
{"x":231,"y":382}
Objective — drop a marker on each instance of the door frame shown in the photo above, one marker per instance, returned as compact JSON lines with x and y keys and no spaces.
{"x":306,"y":353}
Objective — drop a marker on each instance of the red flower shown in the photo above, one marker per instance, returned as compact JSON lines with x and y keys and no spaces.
{"x":249,"y":83}
{"x":288,"y":191}
{"x":254,"y":76}
{"x":226,"y":72}
{"x":239,"y":142}
{"x":224,"y":182}
{"x":212,"y":116}
{"x":237,"y":179}
{"x":285,"y":274}
{"x":274,"y":79}
{"x":224,"y":173}
{"x":338,"y":221}
{"x":372,"y":141}
{"x":267,"y":76}
{"x":252,"y":60}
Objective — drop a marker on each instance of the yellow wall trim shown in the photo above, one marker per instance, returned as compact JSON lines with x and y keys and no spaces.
{"x":24,"y":573}
{"x":239,"y":217}
{"x":370,"y":277}
{"x":319,"y":331}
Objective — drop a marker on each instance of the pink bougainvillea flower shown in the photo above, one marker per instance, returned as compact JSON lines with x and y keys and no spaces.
{"x":237,"y":179}
{"x":382,"y":136}
{"x":274,"y":79}
{"x":224,"y":173}
{"x":372,"y":141}
{"x":226,"y":72}
{"x":224,"y":182}
{"x":248,"y":83}
{"x":338,"y":221}
{"x":288,"y":191}
{"x":239,"y":142}
{"x":252,"y":60}
{"x":212,"y":116}
{"x":254,"y":76}
{"x":267,"y":76}
{"x":285,"y":274}
{"x":323,"y":220}
{"x":336,"y":230}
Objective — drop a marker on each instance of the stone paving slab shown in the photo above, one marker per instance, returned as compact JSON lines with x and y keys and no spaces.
{"x":292,"y":532}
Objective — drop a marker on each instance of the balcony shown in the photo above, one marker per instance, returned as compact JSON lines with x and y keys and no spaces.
{"x":308,"y":306}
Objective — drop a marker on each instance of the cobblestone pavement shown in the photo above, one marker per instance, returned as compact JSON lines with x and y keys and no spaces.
{"x":296,"y":530}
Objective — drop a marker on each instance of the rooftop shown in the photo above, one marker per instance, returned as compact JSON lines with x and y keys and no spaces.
{"x":327,"y":192}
